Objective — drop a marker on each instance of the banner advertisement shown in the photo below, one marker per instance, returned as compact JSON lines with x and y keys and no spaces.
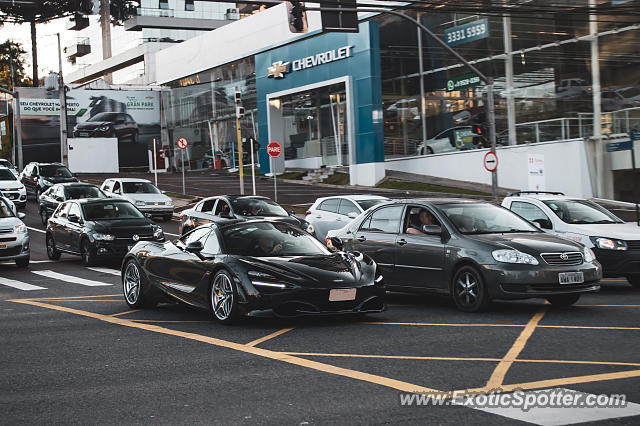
{"x":130,"y":116}
{"x":535,"y":170}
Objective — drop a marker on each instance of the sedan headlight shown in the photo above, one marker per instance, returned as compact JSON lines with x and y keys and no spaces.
{"x":169,"y":203}
{"x":514,"y":256}
{"x":104,"y":237}
{"x":103,"y":128}
{"x":46,"y":182}
{"x":140,"y":203}
{"x":608,"y":243}
{"x":588,"y":254}
{"x":20,"y":229}
{"x":310,"y":229}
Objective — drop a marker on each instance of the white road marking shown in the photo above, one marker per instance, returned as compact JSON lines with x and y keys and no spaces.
{"x":106,"y":271}
{"x":19,"y":284}
{"x":70,"y":278}
{"x":37,"y":230}
{"x":551,"y":415}
{"x":173,"y":235}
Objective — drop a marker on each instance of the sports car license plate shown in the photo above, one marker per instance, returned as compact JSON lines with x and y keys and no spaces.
{"x":571,"y":277}
{"x":341,"y":294}
{"x":3,"y":245}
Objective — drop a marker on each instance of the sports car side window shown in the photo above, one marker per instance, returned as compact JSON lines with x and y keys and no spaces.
{"x":195,"y":235}
{"x":385,"y":219}
{"x":212,"y":245}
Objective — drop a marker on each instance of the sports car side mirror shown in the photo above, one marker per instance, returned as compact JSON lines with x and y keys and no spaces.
{"x":337,"y":243}
{"x":194,"y":247}
{"x":432,"y":229}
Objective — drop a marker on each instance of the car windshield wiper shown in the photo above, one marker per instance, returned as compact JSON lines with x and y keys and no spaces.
{"x":603,"y":221}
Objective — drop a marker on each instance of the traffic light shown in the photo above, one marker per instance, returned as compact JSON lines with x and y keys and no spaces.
{"x":239,"y":107}
{"x":297,"y":17}
{"x":479,"y":135}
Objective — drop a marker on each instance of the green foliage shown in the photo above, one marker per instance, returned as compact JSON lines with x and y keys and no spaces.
{"x":12,"y":51}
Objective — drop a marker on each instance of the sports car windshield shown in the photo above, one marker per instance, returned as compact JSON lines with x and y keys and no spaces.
{"x":269,"y":239}
{"x":5,"y":174}
{"x":55,"y":171}
{"x":139,"y":188}
{"x":257,"y":207}
{"x":485,"y":219}
{"x":111,"y":211}
{"x":77,"y":192}
{"x":581,"y":212}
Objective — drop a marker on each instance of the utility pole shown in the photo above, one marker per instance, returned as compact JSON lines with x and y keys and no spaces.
{"x":239,"y":115}
{"x":15,"y":128}
{"x":64,"y":153}
{"x":597,"y":110}
{"x":105,"y":25}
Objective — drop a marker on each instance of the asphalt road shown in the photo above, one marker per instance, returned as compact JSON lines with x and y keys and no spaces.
{"x":73,"y":352}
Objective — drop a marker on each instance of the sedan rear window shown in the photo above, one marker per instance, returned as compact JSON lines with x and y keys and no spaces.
{"x":78,"y":192}
{"x":111,"y":211}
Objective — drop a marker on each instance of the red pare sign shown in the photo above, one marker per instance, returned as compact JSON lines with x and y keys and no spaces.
{"x":274,"y":149}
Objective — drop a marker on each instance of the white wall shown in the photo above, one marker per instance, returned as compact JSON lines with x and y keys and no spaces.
{"x":565,"y":164}
{"x":93,"y":155}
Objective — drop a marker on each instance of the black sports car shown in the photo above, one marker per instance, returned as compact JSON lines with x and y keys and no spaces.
{"x":238,"y":267}
{"x":98,"y":229}
{"x":223,"y":208}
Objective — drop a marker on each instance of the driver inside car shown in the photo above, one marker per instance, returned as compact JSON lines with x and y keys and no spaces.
{"x":267,"y":246}
{"x":426,"y":218}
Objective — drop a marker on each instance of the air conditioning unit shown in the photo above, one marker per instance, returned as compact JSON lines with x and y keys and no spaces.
{"x":233,"y":14}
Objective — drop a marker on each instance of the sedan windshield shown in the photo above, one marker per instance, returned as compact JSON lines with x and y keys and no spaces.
{"x":139,"y":188}
{"x":5,"y":174}
{"x":484,"y":218}
{"x":581,"y":212}
{"x":7,"y":164}
{"x":5,"y":210}
{"x":51,"y":170}
{"x":367,"y":204}
{"x":270,"y":239}
{"x":111,"y":211}
{"x":257,"y":207}
{"x":78,"y":192}
{"x":104,"y":116}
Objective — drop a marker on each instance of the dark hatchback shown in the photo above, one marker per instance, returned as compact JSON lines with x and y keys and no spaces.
{"x":471,"y":250}
{"x":98,"y":229}
{"x":60,"y":192}
{"x":38,"y":177}
{"x":239,"y":267}
{"x":224,"y":208}
{"x":108,"y":125}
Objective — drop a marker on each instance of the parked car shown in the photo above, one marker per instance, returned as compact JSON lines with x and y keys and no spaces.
{"x":8,"y":165}
{"x":38,"y":177}
{"x":615,"y":243}
{"x":14,"y":237}
{"x":471,"y":250}
{"x":108,"y":125}
{"x":142,"y":193}
{"x":329,"y":213}
{"x":223,"y":208}
{"x":98,"y":229}
{"x":12,"y":188}
{"x":237,"y":267}
{"x":571,"y":88}
{"x":61,"y":192}
{"x":455,"y":139}
{"x":615,"y":99}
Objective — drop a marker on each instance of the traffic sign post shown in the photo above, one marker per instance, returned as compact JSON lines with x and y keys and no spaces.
{"x":274,"y":149}
{"x":634,"y":135}
{"x":183,"y":143}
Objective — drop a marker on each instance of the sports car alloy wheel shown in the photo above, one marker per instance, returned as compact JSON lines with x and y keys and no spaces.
{"x":223,"y":297}
{"x":131,"y":284}
{"x":469,"y":291}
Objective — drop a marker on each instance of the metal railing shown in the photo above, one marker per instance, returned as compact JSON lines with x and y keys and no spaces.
{"x":160,"y":13}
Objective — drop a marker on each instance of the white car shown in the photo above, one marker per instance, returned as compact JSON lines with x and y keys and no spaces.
{"x":8,"y":165}
{"x":330,"y":213}
{"x":11,"y":188}
{"x":454,"y":139}
{"x":616,"y":243}
{"x":141,"y":193}
{"x":14,"y":243}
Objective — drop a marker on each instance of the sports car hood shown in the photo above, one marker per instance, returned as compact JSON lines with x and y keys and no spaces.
{"x":618,"y":231}
{"x":90,"y":125}
{"x":321,"y":271}
{"x":534,"y":243}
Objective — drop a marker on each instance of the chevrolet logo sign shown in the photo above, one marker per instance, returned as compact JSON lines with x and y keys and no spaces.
{"x":278,"y":69}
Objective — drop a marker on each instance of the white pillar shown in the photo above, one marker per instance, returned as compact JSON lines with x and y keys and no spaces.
{"x":508,"y":70}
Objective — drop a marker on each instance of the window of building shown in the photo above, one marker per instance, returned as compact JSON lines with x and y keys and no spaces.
{"x":164,"y":4}
{"x":188,"y":5}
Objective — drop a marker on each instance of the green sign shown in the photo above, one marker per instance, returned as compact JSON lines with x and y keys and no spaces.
{"x":472,"y":31}
{"x":619,"y":146}
{"x":463,"y":82}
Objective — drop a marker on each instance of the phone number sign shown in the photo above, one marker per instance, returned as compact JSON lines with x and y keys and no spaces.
{"x":463,"y":82}
{"x":466,"y":33}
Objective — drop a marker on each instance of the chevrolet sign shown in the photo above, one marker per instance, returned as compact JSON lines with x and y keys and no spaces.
{"x":280,"y":68}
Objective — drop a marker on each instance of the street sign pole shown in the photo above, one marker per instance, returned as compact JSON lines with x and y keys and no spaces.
{"x":634,"y":135}
{"x":154,"y":162}
{"x":240,"y":165}
{"x":182,"y":167}
{"x":491,"y":117}
{"x":253,"y":171}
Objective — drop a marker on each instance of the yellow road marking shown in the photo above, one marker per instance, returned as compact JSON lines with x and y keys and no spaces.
{"x":74,"y":297}
{"x":150,"y":321}
{"x":269,"y":336}
{"x":604,"y":327}
{"x":613,"y":306}
{"x":126,"y":312}
{"x":314,"y":365}
{"x":497,"y":377}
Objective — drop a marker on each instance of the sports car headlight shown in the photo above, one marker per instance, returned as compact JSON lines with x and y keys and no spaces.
{"x":140,"y":203}
{"x":262,"y":279}
{"x":104,"y":128}
{"x":20,"y":229}
{"x":514,"y":256}
{"x":588,"y":254}
{"x":608,"y":243}
{"x":104,"y":237}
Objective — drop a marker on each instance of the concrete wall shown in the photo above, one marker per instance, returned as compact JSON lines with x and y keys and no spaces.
{"x":565,"y":166}
{"x":93,"y":155}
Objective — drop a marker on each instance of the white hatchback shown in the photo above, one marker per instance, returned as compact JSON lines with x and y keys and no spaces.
{"x":141,"y":193}
{"x":11,"y":188}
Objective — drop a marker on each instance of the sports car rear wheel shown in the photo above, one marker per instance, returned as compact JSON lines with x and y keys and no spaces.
{"x":134,"y":289}
{"x":224,"y":298}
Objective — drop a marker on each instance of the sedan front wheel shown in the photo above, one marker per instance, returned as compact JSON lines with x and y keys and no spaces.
{"x":224,"y":298}
{"x":469,"y":290}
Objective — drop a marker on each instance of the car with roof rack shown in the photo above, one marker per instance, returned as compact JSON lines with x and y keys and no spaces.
{"x":616,"y":243}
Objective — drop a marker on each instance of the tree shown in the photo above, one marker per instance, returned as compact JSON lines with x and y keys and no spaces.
{"x":41,"y":11}
{"x":11,"y":52}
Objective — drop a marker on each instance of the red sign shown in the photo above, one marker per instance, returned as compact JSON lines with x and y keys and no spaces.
{"x":274,"y":149}
{"x":491,"y":161}
{"x":183,"y":143}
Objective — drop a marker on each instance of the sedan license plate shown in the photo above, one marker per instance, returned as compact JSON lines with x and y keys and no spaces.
{"x":341,"y":294}
{"x":571,"y":277}
{"x":83,"y":134}
{"x":3,"y":245}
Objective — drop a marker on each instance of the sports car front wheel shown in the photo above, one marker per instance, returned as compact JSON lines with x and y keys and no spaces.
{"x":223,"y":297}
{"x":134,"y":288}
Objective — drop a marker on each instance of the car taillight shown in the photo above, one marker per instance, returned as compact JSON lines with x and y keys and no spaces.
{"x":307,"y":212}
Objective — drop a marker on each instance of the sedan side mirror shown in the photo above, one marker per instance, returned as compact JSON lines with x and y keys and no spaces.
{"x":432,"y":229}
{"x":352,"y":215}
{"x":194,"y":247}
{"x":292,"y":213}
{"x":21,"y":215}
{"x":74,"y":218}
{"x":337,"y":243}
{"x":543,"y":223}
{"x":225,"y":215}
